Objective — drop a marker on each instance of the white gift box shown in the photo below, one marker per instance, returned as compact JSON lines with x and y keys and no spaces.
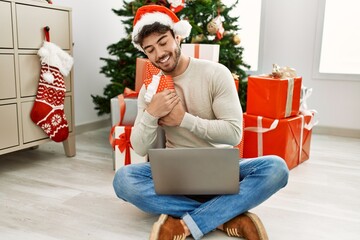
{"x":202,"y":51}
{"x":130,"y":111}
{"x":120,"y":156}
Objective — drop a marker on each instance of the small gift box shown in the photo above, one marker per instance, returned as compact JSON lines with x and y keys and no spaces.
{"x":129,"y":105}
{"x":124,"y":154}
{"x":276,"y":95}
{"x":202,"y":51}
{"x":144,"y":70}
{"x":281,"y":137}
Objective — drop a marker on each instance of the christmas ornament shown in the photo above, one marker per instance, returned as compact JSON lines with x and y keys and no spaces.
{"x":198,"y":38}
{"x":236,"y":39}
{"x":176,"y":5}
{"x":48,"y":109}
{"x":215,"y":27}
{"x":212,"y":27}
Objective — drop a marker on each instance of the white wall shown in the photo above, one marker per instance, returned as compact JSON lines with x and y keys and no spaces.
{"x":95,"y":26}
{"x":289,"y":40}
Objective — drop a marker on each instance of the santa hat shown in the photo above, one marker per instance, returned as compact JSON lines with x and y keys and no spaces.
{"x":149,"y":14}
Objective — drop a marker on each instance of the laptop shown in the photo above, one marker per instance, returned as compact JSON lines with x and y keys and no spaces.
{"x":195,"y":171}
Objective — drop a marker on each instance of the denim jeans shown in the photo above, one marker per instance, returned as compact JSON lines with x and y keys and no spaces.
{"x":259,"y":179}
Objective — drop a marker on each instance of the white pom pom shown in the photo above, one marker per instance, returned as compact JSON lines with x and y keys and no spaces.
{"x":182,"y":28}
{"x":48,"y":77}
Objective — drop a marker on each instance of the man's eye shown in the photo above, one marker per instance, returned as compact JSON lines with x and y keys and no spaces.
{"x":162,"y":43}
{"x":150,"y":50}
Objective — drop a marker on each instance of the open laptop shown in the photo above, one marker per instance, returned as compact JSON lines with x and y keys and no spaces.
{"x":195,"y":171}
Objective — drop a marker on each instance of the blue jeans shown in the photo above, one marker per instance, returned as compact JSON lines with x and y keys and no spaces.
{"x":259,"y":179}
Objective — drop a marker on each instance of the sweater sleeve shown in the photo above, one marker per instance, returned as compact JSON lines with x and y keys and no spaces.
{"x":226,"y":128}
{"x":144,"y":133}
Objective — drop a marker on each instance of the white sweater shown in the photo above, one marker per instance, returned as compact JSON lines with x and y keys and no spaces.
{"x":213,"y":115}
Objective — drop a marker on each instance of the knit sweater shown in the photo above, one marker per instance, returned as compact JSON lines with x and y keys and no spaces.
{"x":213,"y":115}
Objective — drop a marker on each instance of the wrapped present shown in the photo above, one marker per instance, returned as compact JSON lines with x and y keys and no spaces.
{"x":124,"y":154}
{"x":281,"y":137}
{"x":202,"y":51}
{"x":273,"y":97}
{"x":124,"y":108}
{"x":144,"y":70}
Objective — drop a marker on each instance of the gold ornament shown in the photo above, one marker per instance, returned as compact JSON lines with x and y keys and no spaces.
{"x":236,"y":39}
{"x":198,"y":38}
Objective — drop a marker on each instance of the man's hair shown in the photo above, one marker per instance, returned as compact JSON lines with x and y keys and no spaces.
{"x":147,"y":30}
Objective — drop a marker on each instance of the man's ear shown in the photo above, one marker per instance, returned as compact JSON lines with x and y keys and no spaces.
{"x":178,"y":39}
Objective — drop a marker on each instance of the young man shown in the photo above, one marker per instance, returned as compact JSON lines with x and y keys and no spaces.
{"x":202,"y":111}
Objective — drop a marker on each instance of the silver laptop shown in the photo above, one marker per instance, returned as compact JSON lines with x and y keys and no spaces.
{"x":195,"y":171}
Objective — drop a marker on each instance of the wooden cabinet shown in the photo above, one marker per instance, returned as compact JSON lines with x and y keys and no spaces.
{"x":22,"y":35}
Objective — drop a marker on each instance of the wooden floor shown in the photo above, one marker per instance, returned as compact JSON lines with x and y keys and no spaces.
{"x":45,"y":195}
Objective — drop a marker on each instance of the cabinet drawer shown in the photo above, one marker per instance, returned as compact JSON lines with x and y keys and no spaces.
{"x":9,"y":136}
{"x":7,"y":76}
{"x":29,"y":65}
{"x":6,"y":39}
{"x":32,"y":132}
{"x":31,"y":22}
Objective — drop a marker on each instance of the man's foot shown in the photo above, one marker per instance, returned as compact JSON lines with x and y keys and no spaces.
{"x":246,"y":225}
{"x":167,"y":228}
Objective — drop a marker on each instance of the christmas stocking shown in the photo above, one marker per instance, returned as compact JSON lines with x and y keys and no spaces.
{"x":48,"y":109}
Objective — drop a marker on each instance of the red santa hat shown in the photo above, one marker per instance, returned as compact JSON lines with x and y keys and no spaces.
{"x":149,"y":14}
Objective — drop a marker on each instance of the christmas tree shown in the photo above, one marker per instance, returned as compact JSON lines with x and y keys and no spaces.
{"x":211,"y":24}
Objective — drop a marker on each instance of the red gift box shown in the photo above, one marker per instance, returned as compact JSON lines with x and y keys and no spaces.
{"x":144,"y":70}
{"x":273,"y":97}
{"x":281,"y":137}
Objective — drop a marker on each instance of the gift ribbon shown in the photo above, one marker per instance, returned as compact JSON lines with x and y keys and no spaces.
{"x":305,"y":94}
{"x":196,"y":51}
{"x":260,"y":130}
{"x":123,"y":144}
{"x":289,"y":99}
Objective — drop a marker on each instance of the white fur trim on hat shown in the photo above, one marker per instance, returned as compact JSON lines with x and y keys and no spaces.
{"x":181,"y":28}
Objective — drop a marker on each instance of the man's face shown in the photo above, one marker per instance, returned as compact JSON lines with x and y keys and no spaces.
{"x":163,"y":51}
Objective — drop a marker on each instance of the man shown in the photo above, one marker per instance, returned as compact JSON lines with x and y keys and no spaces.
{"x":202,"y":111}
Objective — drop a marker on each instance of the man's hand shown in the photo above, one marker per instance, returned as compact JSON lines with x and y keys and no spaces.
{"x":175,"y":117}
{"x":162,"y":103}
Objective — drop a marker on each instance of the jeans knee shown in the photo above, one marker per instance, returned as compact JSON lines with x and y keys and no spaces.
{"x":119,"y":183}
{"x":280,"y":170}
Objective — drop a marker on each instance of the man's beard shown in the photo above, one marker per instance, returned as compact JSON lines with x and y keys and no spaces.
{"x":176,"y":61}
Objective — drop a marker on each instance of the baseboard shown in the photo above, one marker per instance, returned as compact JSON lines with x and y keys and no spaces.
{"x":341,"y":132}
{"x":93,"y":126}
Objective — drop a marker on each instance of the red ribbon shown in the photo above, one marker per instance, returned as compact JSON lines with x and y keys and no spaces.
{"x":123,"y":144}
{"x":196,"y":51}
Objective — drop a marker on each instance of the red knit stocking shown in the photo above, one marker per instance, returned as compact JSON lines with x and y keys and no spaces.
{"x":48,"y":109}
